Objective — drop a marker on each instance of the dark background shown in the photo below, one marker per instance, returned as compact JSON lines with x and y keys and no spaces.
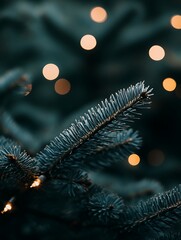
{"x":34,"y":33}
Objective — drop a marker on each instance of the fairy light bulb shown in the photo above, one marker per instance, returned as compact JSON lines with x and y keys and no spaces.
{"x":98,"y":14}
{"x":62,"y":86}
{"x":169,"y":84}
{"x":8,"y":207}
{"x":133,"y":159}
{"x":176,"y":21}
{"x":156,"y":53}
{"x":37,"y":181}
{"x":50,"y":71}
{"x":88,"y":42}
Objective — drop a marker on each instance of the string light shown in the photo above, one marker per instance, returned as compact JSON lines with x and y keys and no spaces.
{"x":62,"y":86}
{"x":156,"y":53}
{"x":169,"y":84}
{"x":176,"y":21}
{"x":88,"y":42}
{"x":98,"y":14}
{"x":8,"y":207}
{"x":50,"y":71}
{"x":133,"y":159}
{"x":38,"y":181}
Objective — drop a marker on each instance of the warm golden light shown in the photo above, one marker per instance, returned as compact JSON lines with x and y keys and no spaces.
{"x":7,"y":208}
{"x":50,"y":71}
{"x":98,"y":14}
{"x":156,"y":53}
{"x":156,"y":157}
{"x":62,"y":86}
{"x":134,"y":159}
{"x":169,"y":84}
{"x":176,"y":21}
{"x":36,"y":183}
{"x":88,"y":42}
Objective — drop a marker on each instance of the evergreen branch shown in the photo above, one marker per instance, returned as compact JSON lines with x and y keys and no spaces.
{"x":15,"y":81}
{"x":71,"y":182}
{"x":129,"y":190}
{"x":12,"y":129}
{"x":110,"y":148}
{"x":9,"y":79}
{"x":135,"y":190}
{"x":159,"y":212}
{"x":169,"y":236}
{"x":15,"y":162}
{"x":42,"y":121}
{"x":105,"y":208}
{"x":109,"y":116}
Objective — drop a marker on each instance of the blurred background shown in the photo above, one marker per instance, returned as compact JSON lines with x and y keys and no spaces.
{"x":78,"y":52}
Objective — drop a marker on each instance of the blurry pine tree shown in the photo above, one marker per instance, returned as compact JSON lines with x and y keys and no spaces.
{"x":86,"y":191}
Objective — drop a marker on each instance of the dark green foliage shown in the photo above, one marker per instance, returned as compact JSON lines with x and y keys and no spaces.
{"x":72,"y":182}
{"x":70,"y":203}
{"x":105,"y":208}
{"x":68,"y":195}
{"x":170,"y":236}
{"x":129,"y":190}
{"x":14,"y":81}
{"x":111,"y":148}
{"x":12,"y":129}
{"x":15,"y":162}
{"x":87,"y":134}
{"x":156,"y":214}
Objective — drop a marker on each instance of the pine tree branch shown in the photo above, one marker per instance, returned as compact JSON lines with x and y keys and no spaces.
{"x":12,"y":129}
{"x":14,"y":81}
{"x":71,"y":183}
{"x":108,"y":116}
{"x":158,"y":213}
{"x":168,"y":236}
{"x":105,"y":208}
{"x":112,"y":147}
{"x":129,"y":190}
{"x":15,"y":162}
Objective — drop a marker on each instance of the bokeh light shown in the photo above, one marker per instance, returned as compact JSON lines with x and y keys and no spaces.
{"x":7,"y":208}
{"x":98,"y":14}
{"x":133,"y":159}
{"x":88,"y":42}
{"x":176,"y":21}
{"x":156,"y":157}
{"x":62,"y":86}
{"x":169,"y":84}
{"x":36,"y":183}
{"x":156,"y":53}
{"x":50,"y":71}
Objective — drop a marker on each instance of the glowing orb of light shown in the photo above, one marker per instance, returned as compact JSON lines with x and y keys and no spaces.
{"x":88,"y":42}
{"x":133,"y":159}
{"x":62,"y":86}
{"x":169,"y":84}
{"x":98,"y":14}
{"x":50,"y":71}
{"x":156,"y":53}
